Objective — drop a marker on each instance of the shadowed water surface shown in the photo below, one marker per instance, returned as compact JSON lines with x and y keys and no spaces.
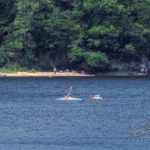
{"x":32,"y":118}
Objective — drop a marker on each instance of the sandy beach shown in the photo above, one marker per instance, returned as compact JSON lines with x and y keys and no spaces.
{"x":44,"y":74}
{"x":69,"y":74}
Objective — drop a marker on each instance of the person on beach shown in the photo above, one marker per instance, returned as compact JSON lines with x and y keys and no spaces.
{"x":54,"y":70}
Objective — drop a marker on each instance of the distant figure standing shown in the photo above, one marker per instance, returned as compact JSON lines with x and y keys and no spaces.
{"x":82,"y":72}
{"x":144,"y":69}
{"x":54,"y":70}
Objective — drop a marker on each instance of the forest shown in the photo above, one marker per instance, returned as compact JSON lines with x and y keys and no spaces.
{"x":75,"y":34}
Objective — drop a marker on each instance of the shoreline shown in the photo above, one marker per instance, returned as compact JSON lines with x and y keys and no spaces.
{"x":71,"y":74}
{"x":44,"y":74}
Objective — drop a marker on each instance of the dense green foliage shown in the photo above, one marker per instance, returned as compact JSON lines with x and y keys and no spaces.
{"x":81,"y":33}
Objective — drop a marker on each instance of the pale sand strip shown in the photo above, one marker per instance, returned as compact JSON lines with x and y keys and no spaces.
{"x":43,"y":74}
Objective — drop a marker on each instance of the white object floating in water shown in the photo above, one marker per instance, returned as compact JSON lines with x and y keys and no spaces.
{"x":98,"y":98}
{"x":69,"y":99}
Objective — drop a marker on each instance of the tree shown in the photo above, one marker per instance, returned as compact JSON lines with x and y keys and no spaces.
{"x":79,"y":33}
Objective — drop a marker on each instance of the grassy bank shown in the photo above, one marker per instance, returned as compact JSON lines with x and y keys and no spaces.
{"x":13,"y":68}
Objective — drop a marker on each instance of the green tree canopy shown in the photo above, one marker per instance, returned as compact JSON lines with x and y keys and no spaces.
{"x":80,"y":33}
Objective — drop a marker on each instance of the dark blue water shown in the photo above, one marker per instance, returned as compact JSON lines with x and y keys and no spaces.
{"x":32,"y":119}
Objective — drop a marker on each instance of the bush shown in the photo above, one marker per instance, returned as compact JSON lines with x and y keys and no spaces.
{"x":96,"y":60}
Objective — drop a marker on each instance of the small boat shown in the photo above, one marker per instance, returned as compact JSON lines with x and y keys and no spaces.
{"x":69,"y":99}
{"x":98,"y":97}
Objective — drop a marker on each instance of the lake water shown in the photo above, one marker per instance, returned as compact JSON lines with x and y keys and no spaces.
{"x":32,"y":119}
